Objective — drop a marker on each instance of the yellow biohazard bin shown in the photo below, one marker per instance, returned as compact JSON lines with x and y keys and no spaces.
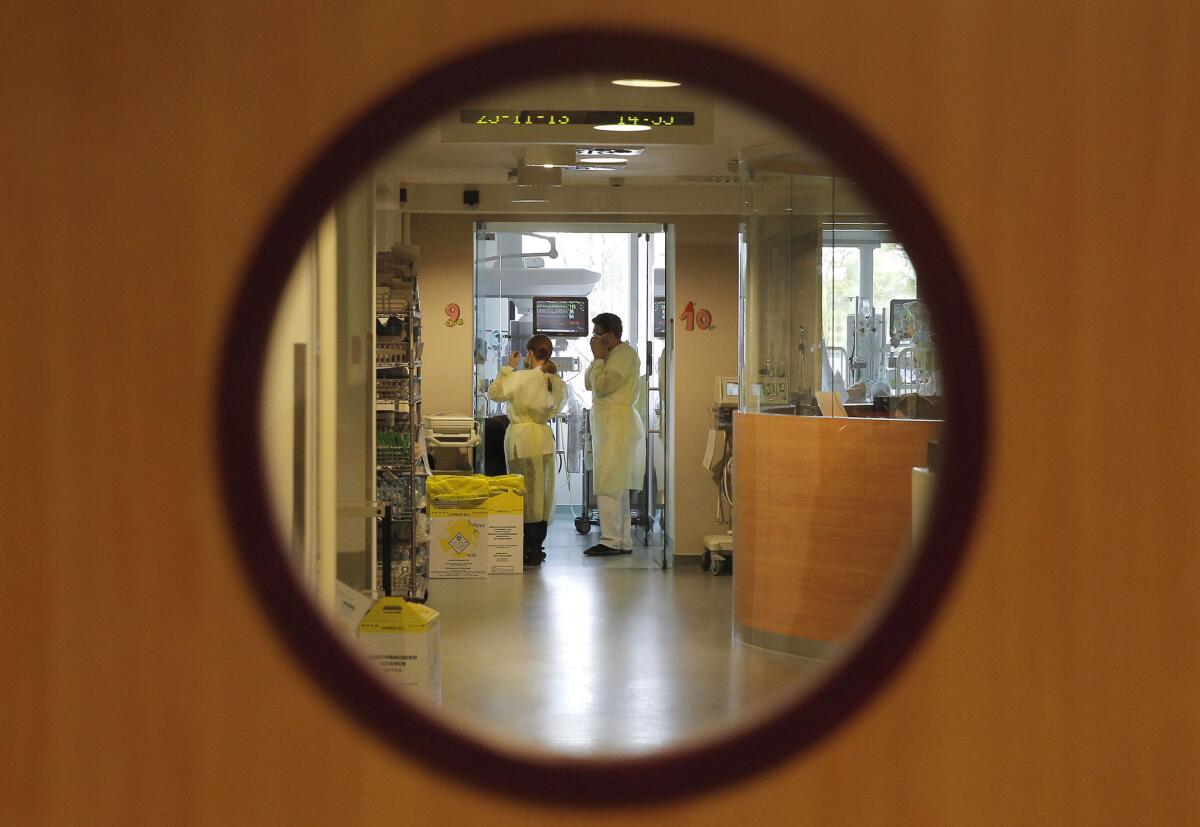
{"x":458,"y":525}
{"x":404,"y":640}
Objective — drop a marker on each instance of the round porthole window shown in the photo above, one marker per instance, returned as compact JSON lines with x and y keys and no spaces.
{"x":601,"y":417}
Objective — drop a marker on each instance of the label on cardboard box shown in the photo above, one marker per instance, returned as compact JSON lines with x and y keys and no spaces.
{"x":351,"y":606}
{"x":506,"y":532}
{"x":458,"y":546}
{"x":404,"y":640}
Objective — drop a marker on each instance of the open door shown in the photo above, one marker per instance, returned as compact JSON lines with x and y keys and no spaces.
{"x":654,"y":314}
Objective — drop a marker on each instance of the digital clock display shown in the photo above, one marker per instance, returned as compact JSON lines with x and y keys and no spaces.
{"x":574,"y":117}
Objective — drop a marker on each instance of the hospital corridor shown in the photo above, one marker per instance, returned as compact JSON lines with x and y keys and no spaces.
{"x":538,"y":485}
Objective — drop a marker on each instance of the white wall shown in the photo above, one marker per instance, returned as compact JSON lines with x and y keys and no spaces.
{"x":354,"y":342}
{"x":295,"y":324}
{"x":305,"y":309}
{"x":706,"y":262}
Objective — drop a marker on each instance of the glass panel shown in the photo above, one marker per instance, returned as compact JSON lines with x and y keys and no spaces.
{"x":875,"y":354}
{"x":652,"y":315}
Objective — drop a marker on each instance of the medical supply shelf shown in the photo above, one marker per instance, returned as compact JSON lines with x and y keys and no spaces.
{"x":402,"y":548}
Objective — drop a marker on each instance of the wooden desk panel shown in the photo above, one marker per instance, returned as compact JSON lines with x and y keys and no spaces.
{"x":822,"y":515}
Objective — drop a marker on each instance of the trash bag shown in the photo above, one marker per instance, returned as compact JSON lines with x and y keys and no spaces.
{"x":444,"y":489}
{"x":507,"y":484}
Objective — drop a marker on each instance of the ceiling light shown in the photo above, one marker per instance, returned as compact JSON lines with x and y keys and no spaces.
{"x":550,"y":156}
{"x":531,"y":201}
{"x":622,"y":127}
{"x":602,"y":159}
{"x":608,"y":151}
{"x":646,"y":83}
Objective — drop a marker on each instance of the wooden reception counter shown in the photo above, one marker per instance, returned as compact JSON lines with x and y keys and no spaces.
{"x":822,"y":514}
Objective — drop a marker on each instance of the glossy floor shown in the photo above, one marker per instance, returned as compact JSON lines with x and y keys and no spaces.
{"x":591,"y":655}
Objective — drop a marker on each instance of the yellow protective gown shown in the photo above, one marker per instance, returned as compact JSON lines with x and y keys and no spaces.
{"x":618,"y":435}
{"x":533,"y":398}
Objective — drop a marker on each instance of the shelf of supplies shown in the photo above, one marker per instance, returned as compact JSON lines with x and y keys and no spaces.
{"x":388,"y":404}
{"x":384,"y":315}
{"x":397,"y":365}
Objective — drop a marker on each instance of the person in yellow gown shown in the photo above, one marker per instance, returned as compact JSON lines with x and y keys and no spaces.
{"x":618,"y":433}
{"x":534,"y":395}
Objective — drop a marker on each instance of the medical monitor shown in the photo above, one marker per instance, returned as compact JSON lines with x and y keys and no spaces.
{"x":900,"y":321}
{"x":660,"y":318}
{"x":561,"y":317}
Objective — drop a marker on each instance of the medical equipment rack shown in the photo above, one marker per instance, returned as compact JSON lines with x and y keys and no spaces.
{"x":402,"y":545}
{"x":638,"y":513}
{"x":717,"y":557}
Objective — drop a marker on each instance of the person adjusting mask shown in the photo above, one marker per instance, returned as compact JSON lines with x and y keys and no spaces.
{"x":618,"y":434}
{"x":534,"y":396}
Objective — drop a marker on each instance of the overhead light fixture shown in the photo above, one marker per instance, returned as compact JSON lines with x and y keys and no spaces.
{"x":646,"y":83}
{"x":549,"y":156}
{"x":602,"y":159}
{"x":539,"y":176}
{"x":622,"y":127}
{"x":531,"y":201}
{"x":609,"y":151}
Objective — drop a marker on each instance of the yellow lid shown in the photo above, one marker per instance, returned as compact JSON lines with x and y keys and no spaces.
{"x":395,"y":614}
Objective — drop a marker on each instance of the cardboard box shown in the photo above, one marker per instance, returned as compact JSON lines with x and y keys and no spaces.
{"x":458,"y":541}
{"x":506,"y":531}
{"x":351,"y":606}
{"x":404,"y":640}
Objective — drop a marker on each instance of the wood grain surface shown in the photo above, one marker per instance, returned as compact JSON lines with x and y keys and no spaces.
{"x":814,"y":563}
{"x":144,"y":147}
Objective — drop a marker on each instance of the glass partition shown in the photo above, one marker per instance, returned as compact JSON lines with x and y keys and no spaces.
{"x":832,"y":321}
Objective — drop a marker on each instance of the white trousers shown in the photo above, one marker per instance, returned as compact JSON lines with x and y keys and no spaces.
{"x":615,"y":528}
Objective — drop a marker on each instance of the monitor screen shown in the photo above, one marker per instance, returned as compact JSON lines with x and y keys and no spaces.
{"x":901,"y":324}
{"x":561,"y":317}
{"x":660,"y":318}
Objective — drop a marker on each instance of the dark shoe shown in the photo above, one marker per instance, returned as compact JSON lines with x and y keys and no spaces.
{"x":601,"y":550}
{"x":627,"y":551}
{"x":533,"y":562}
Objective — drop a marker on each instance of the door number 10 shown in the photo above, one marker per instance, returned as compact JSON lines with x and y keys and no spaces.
{"x":694,"y":318}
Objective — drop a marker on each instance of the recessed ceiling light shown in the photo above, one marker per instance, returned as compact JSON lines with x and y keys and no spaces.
{"x":601,"y":159}
{"x":608,"y":151}
{"x":622,"y":127}
{"x":646,"y":83}
{"x":530,"y":201}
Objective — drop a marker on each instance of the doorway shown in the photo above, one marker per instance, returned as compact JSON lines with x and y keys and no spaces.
{"x":553,"y":278}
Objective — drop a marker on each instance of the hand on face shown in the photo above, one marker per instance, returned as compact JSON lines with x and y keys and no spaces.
{"x":599,"y":345}
{"x":513,"y":359}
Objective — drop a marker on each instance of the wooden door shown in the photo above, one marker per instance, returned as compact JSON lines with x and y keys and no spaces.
{"x":145,"y":146}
